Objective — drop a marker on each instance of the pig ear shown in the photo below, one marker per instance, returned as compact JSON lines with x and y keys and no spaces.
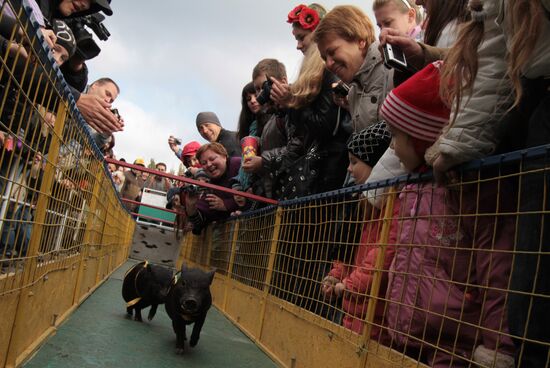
{"x":211,"y":275}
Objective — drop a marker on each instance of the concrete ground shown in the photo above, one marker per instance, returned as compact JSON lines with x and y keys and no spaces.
{"x":99,"y":334}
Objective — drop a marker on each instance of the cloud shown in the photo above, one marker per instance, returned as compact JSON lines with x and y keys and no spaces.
{"x":145,"y":135}
{"x":195,"y":57}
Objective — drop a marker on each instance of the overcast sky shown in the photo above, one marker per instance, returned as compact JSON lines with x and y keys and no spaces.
{"x":175,"y":58}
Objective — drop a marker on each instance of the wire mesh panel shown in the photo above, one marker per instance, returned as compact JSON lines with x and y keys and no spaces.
{"x":220,"y":251}
{"x":252,"y":249}
{"x":199,"y":248}
{"x":445,"y":275}
{"x":58,"y":206}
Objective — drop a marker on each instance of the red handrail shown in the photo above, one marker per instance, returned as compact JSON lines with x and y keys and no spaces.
{"x":193,"y":181}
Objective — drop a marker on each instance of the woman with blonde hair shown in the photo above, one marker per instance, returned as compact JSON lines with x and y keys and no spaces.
{"x":314,"y":160}
{"x":314,"y":121}
{"x":502,"y":60}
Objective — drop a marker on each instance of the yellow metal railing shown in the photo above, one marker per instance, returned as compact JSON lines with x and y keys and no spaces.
{"x":63,"y":229}
{"x":435,"y":275}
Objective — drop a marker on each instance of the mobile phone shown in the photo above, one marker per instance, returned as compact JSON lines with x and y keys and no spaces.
{"x":341,"y":89}
{"x":394,"y":57}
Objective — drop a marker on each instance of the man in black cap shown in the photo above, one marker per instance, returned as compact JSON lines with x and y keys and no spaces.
{"x":65,"y":44}
{"x":210,"y":128}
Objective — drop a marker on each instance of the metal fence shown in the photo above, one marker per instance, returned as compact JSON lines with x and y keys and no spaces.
{"x":452,"y":275}
{"x":62,"y":226}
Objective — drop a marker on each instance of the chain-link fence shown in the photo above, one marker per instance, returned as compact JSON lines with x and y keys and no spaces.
{"x":443,"y":275}
{"x":62,"y":226}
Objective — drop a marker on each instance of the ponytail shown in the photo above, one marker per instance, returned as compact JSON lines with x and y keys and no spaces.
{"x":461,"y":64}
{"x":525,"y":18}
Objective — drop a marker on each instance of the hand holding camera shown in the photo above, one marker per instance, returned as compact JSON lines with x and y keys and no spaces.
{"x":116,"y":114}
{"x":340,"y":92}
{"x":275,"y":91}
{"x":196,"y":190}
{"x":174,"y":142}
{"x":280,"y":92}
{"x":411,"y":50}
{"x":394,"y":58}
{"x":265,"y":94}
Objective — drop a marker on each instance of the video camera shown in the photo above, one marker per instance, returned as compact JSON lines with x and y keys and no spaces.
{"x":86,"y":47}
{"x":265,"y":94}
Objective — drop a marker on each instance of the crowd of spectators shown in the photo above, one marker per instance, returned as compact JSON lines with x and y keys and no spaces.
{"x":475,"y":82}
{"x":28,"y":116}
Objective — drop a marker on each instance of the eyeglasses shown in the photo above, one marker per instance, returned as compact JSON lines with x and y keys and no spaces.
{"x":406,"y":4}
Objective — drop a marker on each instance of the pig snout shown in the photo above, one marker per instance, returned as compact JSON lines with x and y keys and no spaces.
{"x":190,"y":305}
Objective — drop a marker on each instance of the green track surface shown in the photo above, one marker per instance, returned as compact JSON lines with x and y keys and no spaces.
{"x":98,"y":334}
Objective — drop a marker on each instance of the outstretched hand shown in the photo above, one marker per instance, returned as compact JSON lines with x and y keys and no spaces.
{"x":172,"y":143}
{"x":98,"y":115}
{"x":49,"y":37}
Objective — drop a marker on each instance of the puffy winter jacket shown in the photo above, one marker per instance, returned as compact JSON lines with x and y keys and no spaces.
{"x":368,"y":90}
{"x":477,"y":130}
{"x":358,"y":278}
{"x":440,"y":288}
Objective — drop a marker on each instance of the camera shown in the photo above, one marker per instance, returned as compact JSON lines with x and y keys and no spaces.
{"x":116,"y":114}
{"x":86,"y":47}
{"x":177,"y":141}
{"x":341,"y":89}
{"x":394,"y":58}
{"x":195,"y":189}
{"x":264,"y":95}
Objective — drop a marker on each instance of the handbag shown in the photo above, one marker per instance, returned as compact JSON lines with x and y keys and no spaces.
{"x":300,"y":178}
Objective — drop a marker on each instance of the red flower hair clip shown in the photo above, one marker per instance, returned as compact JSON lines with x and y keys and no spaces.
{"x":294,"y":14}
{"x":308,"y":19}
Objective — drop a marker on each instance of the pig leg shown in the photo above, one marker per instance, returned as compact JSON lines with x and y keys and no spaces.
{"x":196,"y":331}
{"x":179,"y":329}
{"x":137,"y":317}
{"x":129,"y":312}
{"x":152,"y":311}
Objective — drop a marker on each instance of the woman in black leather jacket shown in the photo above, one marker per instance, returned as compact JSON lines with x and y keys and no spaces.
{"x":314,"y":121}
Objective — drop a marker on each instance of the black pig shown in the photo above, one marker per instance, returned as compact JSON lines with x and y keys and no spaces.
{"x":188,"y":302}
{"x":145,"y":285}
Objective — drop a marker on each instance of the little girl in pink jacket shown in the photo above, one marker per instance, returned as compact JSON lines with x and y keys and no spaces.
{"x":446,"y":291}
{"x":353,"y":282}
